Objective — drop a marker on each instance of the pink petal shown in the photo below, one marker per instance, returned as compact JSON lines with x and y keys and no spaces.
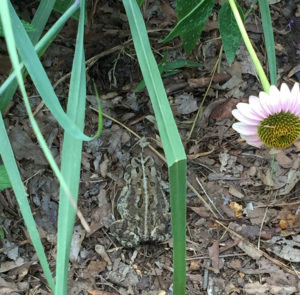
{"x":295,"y":96}
{"x":263,"y":99}
{"x":255,"y":143}
{"x":239,"y":116}
{"x":244,"y":129}
{"x":285,"y":97}
{"x":252,"y":139}
{"x":255,"y":105}
{"x":250,"y":115}
{"x":247,"y":110}
{"x":274,"y":100}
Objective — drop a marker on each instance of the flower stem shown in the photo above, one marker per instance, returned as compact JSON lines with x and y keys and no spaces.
{"x":262,"y":76}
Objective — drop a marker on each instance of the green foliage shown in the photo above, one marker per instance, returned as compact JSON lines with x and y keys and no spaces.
{"x":173,"y":148}
{"x":28,"y":27}
{"x":229,"y":30}
{"x":2,"y":234}
{"x":167,"y":69}
{"x":140,"y":2}
{"x":4,"y":179}
{"x":192,"y":16}
{"x":184,"y":7}
{"x":62,"y":5}
{"x":71,"y":160}
{"x":15,"y":33}
{"x":191,"y":20}
{"x":269,"y":39}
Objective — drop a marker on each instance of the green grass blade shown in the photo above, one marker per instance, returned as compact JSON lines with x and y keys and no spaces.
{"x":269,"y":39}
{"x":40,"y":79}
{"x":28,"y":27}
{"x":43,"y":44}
{"x":177,"y":178}
{"x":17,"y":184}
{"x":39,"y":21}
{"x":170,"y":138}
{"x":6,"y":151}
{"x":165,"y":120}
{"x":18,"y":187}
{"x":14,"y":58}
{"x":4,"y":179}
{"x":40,"y":138}
{"x":71,"y":160}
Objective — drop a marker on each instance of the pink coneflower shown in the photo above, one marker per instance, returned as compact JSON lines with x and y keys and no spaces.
{"x":272,"y":119}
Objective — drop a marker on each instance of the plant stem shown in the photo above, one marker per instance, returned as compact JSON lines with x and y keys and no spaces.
{"x":262,"y":76}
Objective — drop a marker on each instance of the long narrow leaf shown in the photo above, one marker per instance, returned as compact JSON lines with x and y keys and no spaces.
{"x":6,"y":151}
{"x":33,"y":122}
{"x":16,"y":64}
{"x":42,"y":44}
{"x":269,"y":39}
{"x":71,"y":159}
{"x":170,"y":138}
{"x":40,"y":79}
{"x":39,"y":21}
{"x":18,"y":187}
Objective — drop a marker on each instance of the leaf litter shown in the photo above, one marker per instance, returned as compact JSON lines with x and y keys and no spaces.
{"x":252,"y":249}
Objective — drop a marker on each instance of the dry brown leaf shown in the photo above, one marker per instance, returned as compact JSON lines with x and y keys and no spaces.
{"x":204,"y":81}
{"x":213,"y":253}
{"x":8,"y":286}
{"x":294,"y":70}
{"x":93,"y":269}
{"x":246,"y":62}
{"x":286,"y":248}
{"x":224,"y":110}
{"x":283,"y":160}
{"x":256,"y":215}
{"x":185,"y":104}
{"x":25,"y":148}
{"x":77,"y":238}
{"x":100,"y":249}
{"x":277,"y":277}
{"x":235,"y":192}
{"x":99,"y":292}
{"x":256,"y":288}
{"x":99,"y":214}
{"x":9,"y":265}
{"x":250,"y":250}
{"x":103,"y":167}
{"x":169,"y":12}
{"x":292,"y":179}
{"x":235,"y":263}
{"x":297,"y":145}
{"x":201,"y":211}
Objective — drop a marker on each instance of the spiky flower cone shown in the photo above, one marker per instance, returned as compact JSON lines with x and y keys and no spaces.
{"x":272,"y":119}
